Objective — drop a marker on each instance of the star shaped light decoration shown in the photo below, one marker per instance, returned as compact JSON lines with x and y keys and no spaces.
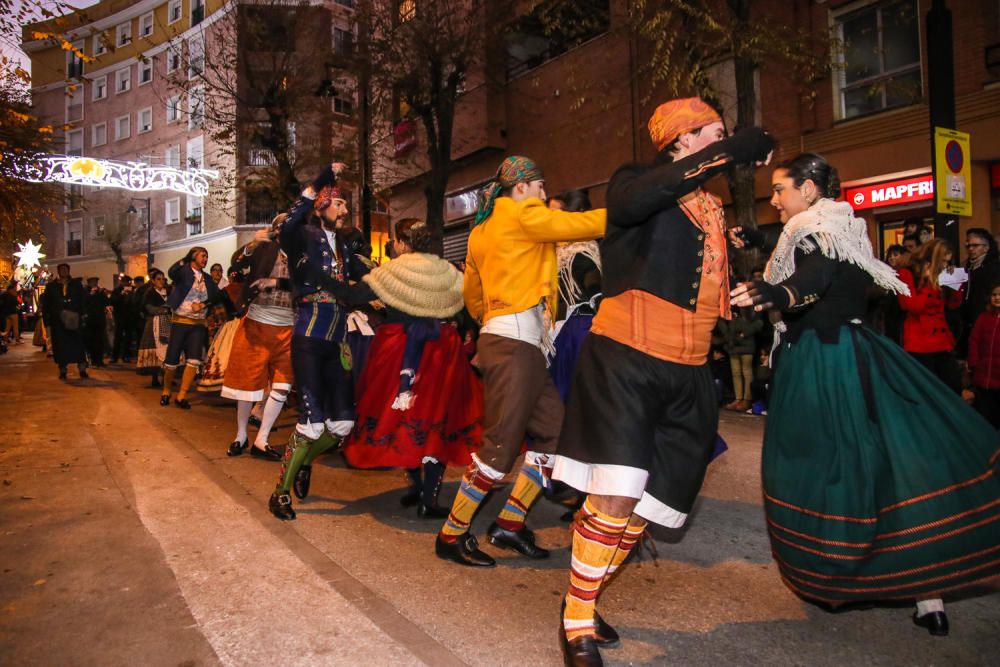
{"x":29,"y":254}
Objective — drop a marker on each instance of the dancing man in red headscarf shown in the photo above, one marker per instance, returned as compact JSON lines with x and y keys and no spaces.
{"x":320,"y":356}
{"x":641,"y":417}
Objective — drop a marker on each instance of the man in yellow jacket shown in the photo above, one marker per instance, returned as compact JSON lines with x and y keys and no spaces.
{"x":511,"y":288}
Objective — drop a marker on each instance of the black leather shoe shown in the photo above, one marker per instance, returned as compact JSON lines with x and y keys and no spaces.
{"x":432,"y":511}
{"x":580,"y":652}
{"x":410,"y":498}
{"x":267,"y":452}
{"x":521,"y":541}
{"x":62,"y":374}
{"x":280,"y":505}
{"x":164,"y":401}
{"x":182,"y":403}
{"x":464,"y":552}
{"x":936,"y":623}
{"x":300,"y":485}
{"x":607,"y":636}
{"x":236,"y":448}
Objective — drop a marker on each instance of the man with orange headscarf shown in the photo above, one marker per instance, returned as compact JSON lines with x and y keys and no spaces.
{"x":641,"y":417}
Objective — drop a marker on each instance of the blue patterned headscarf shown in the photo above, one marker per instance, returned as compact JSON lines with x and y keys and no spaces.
{"x":513,"y":170}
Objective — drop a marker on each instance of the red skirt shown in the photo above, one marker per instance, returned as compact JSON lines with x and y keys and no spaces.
{"x":445,"y":420}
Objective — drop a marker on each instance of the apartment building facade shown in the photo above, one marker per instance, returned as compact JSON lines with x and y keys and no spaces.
{"x":142,"y":99}
{"x":580,"y":110}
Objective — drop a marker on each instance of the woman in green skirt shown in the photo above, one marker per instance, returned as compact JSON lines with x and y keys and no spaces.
{"x":880,"y":483}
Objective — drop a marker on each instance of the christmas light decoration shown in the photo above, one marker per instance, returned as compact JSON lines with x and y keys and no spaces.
{"x":134,"y":176}
{"x":28,"y":255}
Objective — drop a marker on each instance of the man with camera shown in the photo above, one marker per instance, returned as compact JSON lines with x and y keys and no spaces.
{"x":261,"y":355}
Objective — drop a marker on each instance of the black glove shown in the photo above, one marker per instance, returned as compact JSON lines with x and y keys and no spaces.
{"x":752,"y":238}
{"x":768,"y":296}
{"x":749,"y":145}
{"x":325,"y":178}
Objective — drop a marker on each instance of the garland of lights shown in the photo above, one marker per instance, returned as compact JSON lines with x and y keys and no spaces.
{"x":135,"y":176}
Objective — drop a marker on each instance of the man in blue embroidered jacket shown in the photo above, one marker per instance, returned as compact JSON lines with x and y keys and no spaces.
{"x":320,"y":360}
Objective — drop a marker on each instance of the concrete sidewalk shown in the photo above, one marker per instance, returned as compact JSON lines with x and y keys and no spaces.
{"x":118,"y":548}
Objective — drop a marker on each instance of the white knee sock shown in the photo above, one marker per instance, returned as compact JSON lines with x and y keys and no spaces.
{"x":275,"y":402}
{"x":242,"y":419}
{"x":925,"y":607}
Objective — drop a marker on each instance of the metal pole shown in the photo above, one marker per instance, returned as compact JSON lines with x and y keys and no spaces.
{"x":149,"y":235}
{"x":941,"y":99}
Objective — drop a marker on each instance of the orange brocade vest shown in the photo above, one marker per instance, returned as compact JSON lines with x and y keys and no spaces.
{"x":662,"y":329}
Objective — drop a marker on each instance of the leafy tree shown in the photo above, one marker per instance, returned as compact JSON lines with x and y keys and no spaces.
{"x":420,"y":55}
{"x":684,"y":41}
{"x":260,"y":84}
{"x":23,"y":205}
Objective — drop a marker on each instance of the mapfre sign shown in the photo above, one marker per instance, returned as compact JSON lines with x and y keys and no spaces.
{"x":889,"y":193}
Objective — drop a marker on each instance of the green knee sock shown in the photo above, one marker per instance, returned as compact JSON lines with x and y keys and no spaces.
{"x":295,"y":454}
{"x":319,"y":445}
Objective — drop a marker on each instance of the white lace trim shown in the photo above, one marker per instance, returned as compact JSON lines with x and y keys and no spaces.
{"x":565,"y":254}
{"x":830,"y":227}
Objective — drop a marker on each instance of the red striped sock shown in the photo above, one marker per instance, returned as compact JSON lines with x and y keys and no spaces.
{"x":596,"y":537}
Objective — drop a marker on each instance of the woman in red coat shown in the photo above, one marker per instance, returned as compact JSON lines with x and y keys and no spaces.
{"x":925,"y":330}
{"x":984,"y":360}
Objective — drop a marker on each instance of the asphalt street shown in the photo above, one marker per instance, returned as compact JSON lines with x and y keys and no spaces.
{"x":128,"y":537}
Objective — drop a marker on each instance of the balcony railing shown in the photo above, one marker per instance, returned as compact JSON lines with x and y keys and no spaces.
{"x":261,"y":215}
{"x":197,"y":15}
{"x":260,"y":157}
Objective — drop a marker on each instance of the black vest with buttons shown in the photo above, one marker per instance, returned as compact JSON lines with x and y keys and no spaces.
{"x":651,"y":244}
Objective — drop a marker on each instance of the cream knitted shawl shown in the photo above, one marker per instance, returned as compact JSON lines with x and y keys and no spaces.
{"x":830,"y":227}
{"x":418,"y":284}
{"x":565,"y":254}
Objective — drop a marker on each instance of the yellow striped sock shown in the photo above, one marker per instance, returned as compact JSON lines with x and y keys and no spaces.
{"x":595,"y":540}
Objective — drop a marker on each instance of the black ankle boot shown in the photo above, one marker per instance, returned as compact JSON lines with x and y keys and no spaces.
{"x":412,"y":495}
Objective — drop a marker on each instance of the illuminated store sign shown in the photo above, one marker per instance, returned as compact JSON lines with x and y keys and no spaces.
{"x":902,"y":191}
{"x":135,"y":176}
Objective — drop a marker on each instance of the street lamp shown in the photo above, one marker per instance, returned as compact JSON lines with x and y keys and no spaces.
{"x":149,"y":230}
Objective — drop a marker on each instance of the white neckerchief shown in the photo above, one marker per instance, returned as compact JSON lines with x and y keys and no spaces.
{"x":830,"y":227}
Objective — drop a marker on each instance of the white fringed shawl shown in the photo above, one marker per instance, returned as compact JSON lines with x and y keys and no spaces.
{"x":830,"y":227}
{"x":565,"y":254}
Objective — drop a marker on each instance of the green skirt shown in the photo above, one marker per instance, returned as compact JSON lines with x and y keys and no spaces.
{"x":879,"y":482}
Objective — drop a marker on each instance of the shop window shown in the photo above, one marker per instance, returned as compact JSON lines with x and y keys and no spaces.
{"x":879,"y":64}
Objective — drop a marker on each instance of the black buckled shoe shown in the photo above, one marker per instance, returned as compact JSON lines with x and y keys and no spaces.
{"x":300,"y":485}
{"x":182,"y":403}
{"x":236,"y":448}
{"x":269,"y":453}
{"x":164,"y":401}
{"x":936,"y":623}
{"x":432,"y":511}
{"x":464,"y":551}
{"x":579,"y":652}
{"x":521,"y":541}
{"x":280,"y":505}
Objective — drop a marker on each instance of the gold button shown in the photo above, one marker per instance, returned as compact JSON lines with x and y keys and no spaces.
{"x":695,"y":285}
{"x":701,"y":253}
{"x":693,"y":301}
{"x":701,"y":237}
{"x":698,"y":270}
